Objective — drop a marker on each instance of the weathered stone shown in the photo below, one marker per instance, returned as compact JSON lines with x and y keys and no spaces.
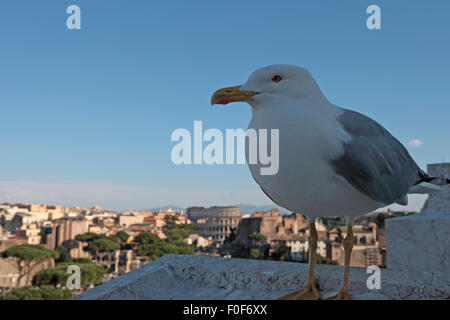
{"x":421,"y":242}
{"x":438,"y":202}
{"x":196,"y":277}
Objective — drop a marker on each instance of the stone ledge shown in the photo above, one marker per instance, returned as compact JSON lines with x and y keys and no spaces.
{"x":186,"y":277}
{"x":419,"y":242}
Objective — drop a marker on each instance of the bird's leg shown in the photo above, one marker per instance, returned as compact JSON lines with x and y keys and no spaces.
{"x":310,"y":291}
{"x":348,"y":246}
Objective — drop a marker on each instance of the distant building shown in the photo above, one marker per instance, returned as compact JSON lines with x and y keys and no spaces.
{"x":215,"y":223}
{"x":117,"y":261}
{"x":128,"y":220}
{"x":366,"y":250}
{"x":196,"y":240}
{"x":63,"y":232}
{"x":31,"y":233}
{"x":274,"y":226}
{"x":20,"y":221}
{"x":155,"y":223}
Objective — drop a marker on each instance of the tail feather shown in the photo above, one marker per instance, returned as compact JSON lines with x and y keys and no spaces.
{"x":424,"y":188}
{"x":426,"y":184}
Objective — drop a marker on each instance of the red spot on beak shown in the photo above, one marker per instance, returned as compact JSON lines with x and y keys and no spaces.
{"x":224,"y":100}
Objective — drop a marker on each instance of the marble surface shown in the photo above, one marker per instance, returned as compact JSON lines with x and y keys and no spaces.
{"x":188,"y":277}
{"x":438,"y":202}
{"x":421,"y":242}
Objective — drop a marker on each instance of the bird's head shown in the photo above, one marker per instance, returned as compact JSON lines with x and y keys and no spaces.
{"x":275,"y":81}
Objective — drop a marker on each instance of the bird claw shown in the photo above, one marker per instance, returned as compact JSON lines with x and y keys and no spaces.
{"x":341,"y":295}
{"x":309,"y":292}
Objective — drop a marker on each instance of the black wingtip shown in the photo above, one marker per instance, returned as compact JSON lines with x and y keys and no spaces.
{"x":424,"y":177}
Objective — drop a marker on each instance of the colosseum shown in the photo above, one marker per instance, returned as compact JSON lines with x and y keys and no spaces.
{"x":215,"y":223}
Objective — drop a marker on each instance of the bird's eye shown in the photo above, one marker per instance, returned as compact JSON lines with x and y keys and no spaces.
{"x":276,"y":78}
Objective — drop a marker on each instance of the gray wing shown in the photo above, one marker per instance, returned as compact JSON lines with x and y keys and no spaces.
{"x":374,"y":162}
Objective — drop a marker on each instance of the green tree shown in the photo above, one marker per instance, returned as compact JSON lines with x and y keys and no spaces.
{"x":102,"y":245}
{"x":91,"y":274}
{"x":80,"y":260}
{"x":115,"y":238}
{"x":26,"y":257}
{"x":177,"y":234}
{"x":323,"y":260}
{"x":159,"y":249}
{"x":257,"y":237}
{"x":89,"y":237}
{"x":170,"y":219}
{"x":282,"y":253}
{"x":146,"y":238}
{"x":62,"y":253}
{"x":123,"y":236}
{"x":255,"y":253}
{"x":150,"y":250}
{"x":42,"y":293}
{"x":154,"y":247}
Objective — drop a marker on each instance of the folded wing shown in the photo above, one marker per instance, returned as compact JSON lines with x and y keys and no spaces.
{"x":374,"y":162}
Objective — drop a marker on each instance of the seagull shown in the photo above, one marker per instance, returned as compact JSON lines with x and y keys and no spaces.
{"x":333,"y":162}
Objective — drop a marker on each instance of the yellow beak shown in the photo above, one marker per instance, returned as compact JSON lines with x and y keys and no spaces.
{"x":231,"y":94}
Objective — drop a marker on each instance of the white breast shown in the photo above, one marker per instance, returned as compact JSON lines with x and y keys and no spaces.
{"x":306,"y":181}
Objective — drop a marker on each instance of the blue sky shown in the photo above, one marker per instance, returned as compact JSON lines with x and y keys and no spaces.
{"x":86,"y":115}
